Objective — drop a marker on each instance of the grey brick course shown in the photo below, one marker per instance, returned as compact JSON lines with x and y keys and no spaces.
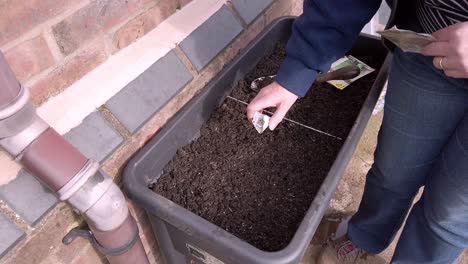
{"x":10,"y":234}
{"x":94,"y":137}
{"x":249,"y":9}
{"x":203,"y":44}
{"x":28,"y":197}
{"x":149,"y":92}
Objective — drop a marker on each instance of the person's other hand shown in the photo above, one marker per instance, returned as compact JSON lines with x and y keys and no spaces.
{"x":450,"y":50}
{"x":273,"y":95}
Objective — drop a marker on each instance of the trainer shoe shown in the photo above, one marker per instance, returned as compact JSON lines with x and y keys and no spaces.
{"x":340,"y":251}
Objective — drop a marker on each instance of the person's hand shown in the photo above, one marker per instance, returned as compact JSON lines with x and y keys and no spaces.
{"x":273,"y":95}
{"x":450,"y":50}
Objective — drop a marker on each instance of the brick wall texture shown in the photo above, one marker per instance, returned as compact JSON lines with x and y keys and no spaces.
{"x":50,"y":44}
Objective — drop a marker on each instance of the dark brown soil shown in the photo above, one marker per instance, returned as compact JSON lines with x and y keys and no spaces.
{"x":258,"y":187}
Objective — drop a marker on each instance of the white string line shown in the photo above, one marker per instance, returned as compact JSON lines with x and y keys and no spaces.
{"x":290,"y":120}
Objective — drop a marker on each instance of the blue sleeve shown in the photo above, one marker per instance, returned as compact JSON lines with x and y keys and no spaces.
{"x":321,"y":35}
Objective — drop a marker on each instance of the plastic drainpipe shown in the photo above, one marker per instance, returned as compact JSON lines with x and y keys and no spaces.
{"x":67,"y":172}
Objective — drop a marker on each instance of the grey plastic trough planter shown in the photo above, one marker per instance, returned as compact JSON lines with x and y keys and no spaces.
{"x":187,"y":238}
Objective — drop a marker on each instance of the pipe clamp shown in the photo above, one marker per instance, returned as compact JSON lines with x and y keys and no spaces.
{"x":88,"y":235}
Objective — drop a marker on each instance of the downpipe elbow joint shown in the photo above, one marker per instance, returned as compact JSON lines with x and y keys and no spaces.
{"x":93,"y":194}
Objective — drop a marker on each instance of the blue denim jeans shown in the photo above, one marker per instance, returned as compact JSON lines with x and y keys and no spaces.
{"x":423,"y":141}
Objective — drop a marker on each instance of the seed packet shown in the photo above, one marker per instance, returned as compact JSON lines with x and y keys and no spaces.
{"x":346,"y":61}
{"x":260,"y":122}
{"x":407,"y":40}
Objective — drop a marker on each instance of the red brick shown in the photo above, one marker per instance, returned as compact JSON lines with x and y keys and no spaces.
{"x":17,"y":17}
{"x":89,"y":256}
{"x":51,"y":259}
{"x":136,"y":210}
{"x":29,"y":58}
{"x":93,"y":20}
{"x":66,"y":254}
{"x":144,"y":23}
{"x":278,"y":9}
{"x":152,"y":258}
{"x":297,"y":8}
{"x":154,"y":255}
{"x":66,"y":74}
{"x":46,"y":238}
{"x":146,"y":233}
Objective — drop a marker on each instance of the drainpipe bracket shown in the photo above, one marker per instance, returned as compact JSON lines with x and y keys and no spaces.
{"x":88,"y":235}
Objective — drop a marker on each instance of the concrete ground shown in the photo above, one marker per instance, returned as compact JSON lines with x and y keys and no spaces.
{"x":348,"y":195}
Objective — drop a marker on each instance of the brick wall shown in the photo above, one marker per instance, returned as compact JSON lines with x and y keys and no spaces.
{"x":51,"y":44}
